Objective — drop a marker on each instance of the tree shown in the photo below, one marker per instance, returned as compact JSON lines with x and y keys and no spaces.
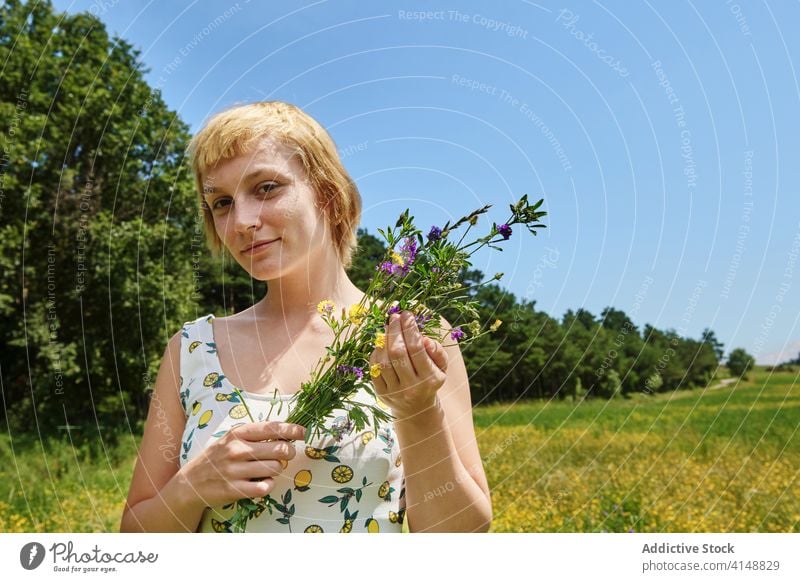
{"x":740,"y":362}
{"x":710,"y":338}
{"x":369,"y":253}
{"x":616,"y":320}
{"x":701,"y":363}
{"x":97,"y":201}
{"x":578,"y":392}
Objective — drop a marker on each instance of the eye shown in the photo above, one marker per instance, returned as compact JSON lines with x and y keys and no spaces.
{"x":218,"y":203}
{"x":266,"y":187}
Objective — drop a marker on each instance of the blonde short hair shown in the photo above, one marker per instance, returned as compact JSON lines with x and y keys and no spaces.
{"x":234,"y":131}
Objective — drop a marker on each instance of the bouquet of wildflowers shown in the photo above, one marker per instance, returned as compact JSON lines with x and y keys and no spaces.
{"x":418,"y":274}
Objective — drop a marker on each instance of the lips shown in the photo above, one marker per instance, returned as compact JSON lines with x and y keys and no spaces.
{"x":257,"y":246}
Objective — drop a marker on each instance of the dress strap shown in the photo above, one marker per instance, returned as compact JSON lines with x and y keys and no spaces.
{"x":198,"y":351}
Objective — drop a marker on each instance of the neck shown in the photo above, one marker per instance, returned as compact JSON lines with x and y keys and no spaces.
{"x":294,"y":297}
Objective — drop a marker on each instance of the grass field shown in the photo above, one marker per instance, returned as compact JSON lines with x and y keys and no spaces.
{"x":713,"y":460}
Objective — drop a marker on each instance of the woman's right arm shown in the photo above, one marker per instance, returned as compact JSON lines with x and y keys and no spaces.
{"x":160,"y":499}
{"x":165,"y":497}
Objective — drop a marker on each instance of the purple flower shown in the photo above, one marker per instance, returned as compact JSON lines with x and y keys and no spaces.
{"x":344,"y":370}
{"x":394,"y":309}
{"x":409,"y":249}
{"x":457,"y":334}
{"x":408,"y":252}
{"x":435,"y":234}
{"x":505,"y":230}
{"x":422,"y":320}
{"x":401,"y":262}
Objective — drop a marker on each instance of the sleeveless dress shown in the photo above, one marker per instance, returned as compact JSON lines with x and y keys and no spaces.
{"x":342,"y":481}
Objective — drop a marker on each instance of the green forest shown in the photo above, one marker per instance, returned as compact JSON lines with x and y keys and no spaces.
{"x":103,"y":255}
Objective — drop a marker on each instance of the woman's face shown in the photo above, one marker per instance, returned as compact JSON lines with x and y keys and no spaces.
{"x":264,"y":196}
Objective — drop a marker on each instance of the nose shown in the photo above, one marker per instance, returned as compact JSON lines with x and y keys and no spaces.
{"x":246,"y":213}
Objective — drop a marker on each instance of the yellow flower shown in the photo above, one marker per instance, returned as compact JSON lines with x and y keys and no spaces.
{"x":326,"y":306}
{"x":375,"y":370}
{"x":397,"y":259}
{"x":357,"y":312}
{"x":495,"y":325}
{"x":380,"y":340}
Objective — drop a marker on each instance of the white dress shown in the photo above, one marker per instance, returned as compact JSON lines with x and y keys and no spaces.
{"x":340,"y":482}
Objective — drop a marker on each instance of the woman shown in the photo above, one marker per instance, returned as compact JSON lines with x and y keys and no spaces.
{"x":277,"y":199}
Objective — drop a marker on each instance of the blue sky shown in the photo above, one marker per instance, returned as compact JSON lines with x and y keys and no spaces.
{"x":663,"y":136}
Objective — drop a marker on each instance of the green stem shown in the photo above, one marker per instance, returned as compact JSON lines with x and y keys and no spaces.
{"x":247,"y":408}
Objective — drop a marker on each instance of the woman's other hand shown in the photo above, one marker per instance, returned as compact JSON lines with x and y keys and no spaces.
{"x":412,"y":367}
{"x":242,"y":463}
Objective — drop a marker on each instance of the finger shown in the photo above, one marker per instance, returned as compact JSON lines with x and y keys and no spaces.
{"x":380,"y":387}
{"x":398,"y":354}
{"x":437,"y":353}
{"x":379,"y":356}
{"x":277,"y":450}
{"x":246,"y":489}
{"x":261,"y":431}
{"x":388,"y":373}
{"x":256,"y":469}
{"x":423,"y":367}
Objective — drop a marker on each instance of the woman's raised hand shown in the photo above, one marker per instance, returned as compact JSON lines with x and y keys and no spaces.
{"x":242,"y":463}
{"x":413,"y":367}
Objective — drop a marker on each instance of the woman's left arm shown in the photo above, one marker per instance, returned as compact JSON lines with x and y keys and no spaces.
{"x":427,"y":388}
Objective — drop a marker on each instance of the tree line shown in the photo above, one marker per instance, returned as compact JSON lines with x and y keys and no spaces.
{"x":103,"y":255}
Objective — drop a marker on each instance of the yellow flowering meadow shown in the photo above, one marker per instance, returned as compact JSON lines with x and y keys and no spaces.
{"x":714,"y":460}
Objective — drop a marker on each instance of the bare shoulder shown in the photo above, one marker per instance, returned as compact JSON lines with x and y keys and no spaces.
{"x":244,"y":315}
{"x":236,"y":322}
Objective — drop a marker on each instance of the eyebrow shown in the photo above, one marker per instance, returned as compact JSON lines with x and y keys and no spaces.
{"x":207,"y":190}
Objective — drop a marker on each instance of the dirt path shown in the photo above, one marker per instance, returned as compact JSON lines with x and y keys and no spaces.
{"x":723,"y":383}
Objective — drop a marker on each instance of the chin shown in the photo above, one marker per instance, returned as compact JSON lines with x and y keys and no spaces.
{"x":264,"y":270}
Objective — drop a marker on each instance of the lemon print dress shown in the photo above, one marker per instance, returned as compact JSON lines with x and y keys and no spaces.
{"x":343,"y":481}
